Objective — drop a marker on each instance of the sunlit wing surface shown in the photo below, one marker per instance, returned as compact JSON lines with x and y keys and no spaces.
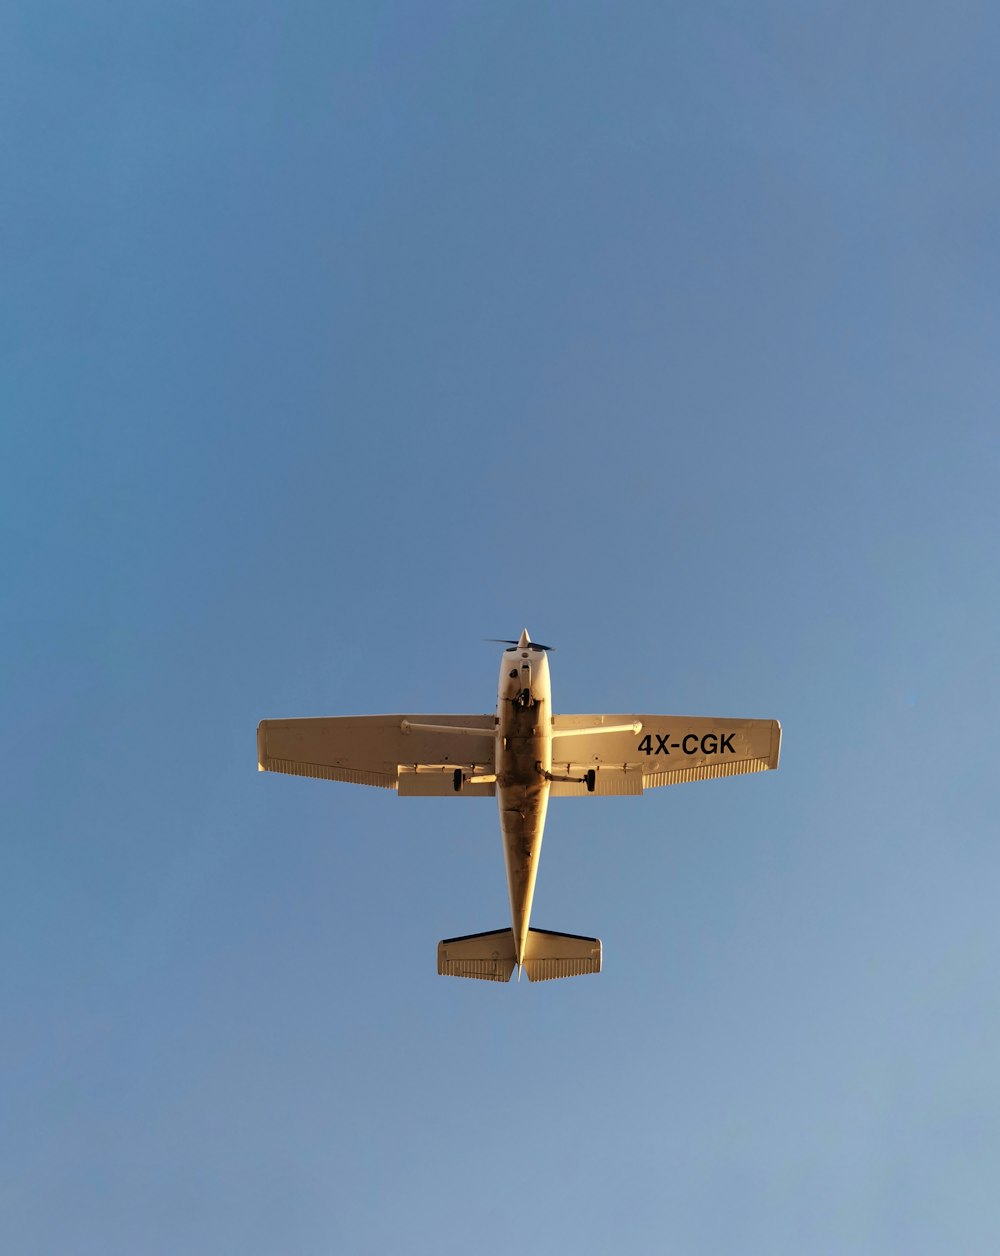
{"x":644,"y":751}
{"x":414,"y":754}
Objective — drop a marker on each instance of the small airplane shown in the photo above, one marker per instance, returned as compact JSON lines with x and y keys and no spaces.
{"x":523,"y":754}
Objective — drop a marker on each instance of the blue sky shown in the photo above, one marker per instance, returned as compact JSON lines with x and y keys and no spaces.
{"x":336,"y":338}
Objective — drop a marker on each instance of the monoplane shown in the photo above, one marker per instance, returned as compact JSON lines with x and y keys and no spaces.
{"x":523,"y":754}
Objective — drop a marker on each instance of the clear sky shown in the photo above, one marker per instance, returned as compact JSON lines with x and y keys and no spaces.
{"x":338,"y":337}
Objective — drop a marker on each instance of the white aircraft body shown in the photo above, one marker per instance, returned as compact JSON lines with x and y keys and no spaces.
{"x":524,"y":754}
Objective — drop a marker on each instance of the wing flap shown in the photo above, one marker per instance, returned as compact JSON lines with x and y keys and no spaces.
{"x":612,"y":780}
{"x":438,"y":781}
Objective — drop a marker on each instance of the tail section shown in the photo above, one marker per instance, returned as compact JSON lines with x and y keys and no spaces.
{"x":488,"y":956}
{"x":549,"y":955}
{"x":493,"y":957}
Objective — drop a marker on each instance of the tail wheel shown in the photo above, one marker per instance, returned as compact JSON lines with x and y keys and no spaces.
{"x":591,"y":779}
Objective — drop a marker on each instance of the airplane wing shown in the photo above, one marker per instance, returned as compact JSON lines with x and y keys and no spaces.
{"x":635,"y":752}
{"x":413,"y":754}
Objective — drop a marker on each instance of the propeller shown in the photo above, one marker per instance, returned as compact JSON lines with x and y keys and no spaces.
{"x":529,"y":645}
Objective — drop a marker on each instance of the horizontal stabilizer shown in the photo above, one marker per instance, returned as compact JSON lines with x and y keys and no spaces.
{"x":549,"y":955}
{"x":488,"y":956}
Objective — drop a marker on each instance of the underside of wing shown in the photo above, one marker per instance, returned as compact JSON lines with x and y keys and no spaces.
{"x":630,"y":753}
{"x":414,"y":754}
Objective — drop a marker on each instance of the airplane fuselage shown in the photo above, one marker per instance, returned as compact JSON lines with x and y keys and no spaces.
{"x":523,"y":757}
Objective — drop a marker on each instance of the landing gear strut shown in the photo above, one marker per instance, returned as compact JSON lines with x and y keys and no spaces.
{"x":589,"y":778}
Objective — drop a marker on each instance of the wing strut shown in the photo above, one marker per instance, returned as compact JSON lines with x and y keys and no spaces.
{"x":408,"y":726}
{"x":634,"y":727}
